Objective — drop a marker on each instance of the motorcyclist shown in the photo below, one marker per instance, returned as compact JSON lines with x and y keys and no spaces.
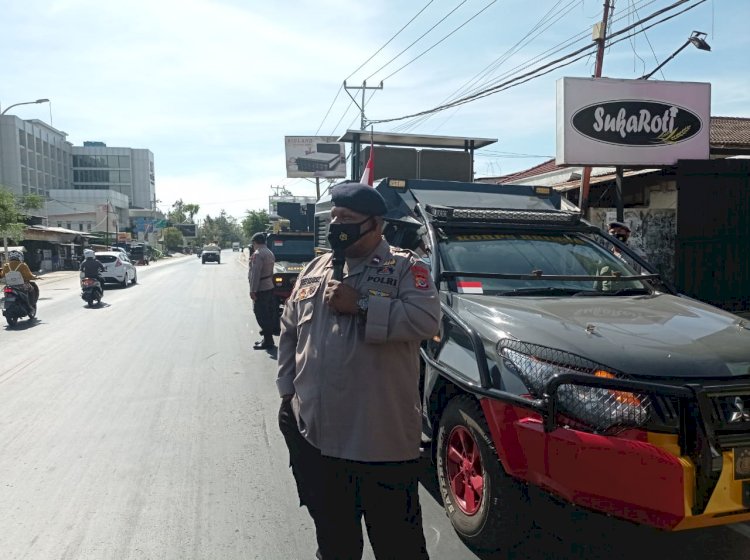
{"x":91,"y":267}
{"x":15,"y":263}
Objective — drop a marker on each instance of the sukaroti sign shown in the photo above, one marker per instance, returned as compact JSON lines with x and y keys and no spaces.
{"x":602,"y":121}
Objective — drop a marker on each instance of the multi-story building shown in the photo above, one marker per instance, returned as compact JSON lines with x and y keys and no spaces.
{"x":124,"y":170}
{"x":34,"y":157}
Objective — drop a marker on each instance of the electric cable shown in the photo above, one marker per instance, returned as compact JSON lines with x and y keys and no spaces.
{"x":523,"y":78}
{"x":420,"y":55}
{"x":417,"y":39}
{"x":341,"y":87}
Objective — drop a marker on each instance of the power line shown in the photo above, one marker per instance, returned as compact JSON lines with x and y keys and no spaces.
{"x":498,"y":61}
{"x":390,"y":40}
{"x":549,"y":67}
{"x":487,"y":69}
{"x":341,"y":87}
{"x":420,"y":55}
{"x":446,"y":16}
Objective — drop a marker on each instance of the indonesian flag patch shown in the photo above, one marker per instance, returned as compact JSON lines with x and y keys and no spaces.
{"x":469,"y":287}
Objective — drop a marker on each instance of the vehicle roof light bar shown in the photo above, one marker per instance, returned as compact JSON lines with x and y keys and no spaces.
{"x":493,"y":215}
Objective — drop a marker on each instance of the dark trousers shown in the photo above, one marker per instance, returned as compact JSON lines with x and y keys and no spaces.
{"x":264,"y":308}
{"x":338,"y":493}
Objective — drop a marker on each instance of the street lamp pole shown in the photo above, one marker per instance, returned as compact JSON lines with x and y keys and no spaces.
{"x":697,"y":38}
{"x":24,"y":103}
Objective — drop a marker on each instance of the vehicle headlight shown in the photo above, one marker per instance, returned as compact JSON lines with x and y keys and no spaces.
{"x":601,"y":409}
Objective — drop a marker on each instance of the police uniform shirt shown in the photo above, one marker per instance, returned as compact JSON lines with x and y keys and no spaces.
{"x":261,"y":270}
{"x":356,"y":380}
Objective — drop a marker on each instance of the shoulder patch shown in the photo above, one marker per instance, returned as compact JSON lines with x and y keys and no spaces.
{"x":421,"y":276}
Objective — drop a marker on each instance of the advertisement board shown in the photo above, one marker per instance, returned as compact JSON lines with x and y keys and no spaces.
{"x":314,"y":156}
{"x":187,"y":230}
{"x":602,"y":121}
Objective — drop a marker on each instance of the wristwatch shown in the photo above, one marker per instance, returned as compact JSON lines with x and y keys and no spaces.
{"x":362,"y":305}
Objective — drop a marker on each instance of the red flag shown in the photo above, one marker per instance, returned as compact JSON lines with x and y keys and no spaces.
{"x":368,"y":174}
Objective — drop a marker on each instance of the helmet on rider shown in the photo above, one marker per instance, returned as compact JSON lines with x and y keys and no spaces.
{"x":88,"y":253}
{"x":15,"y":256}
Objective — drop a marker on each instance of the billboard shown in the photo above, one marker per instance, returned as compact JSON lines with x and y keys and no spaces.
{"x":187,"y":230}
{"x":314,"y":156}
{"x":603,"y":121}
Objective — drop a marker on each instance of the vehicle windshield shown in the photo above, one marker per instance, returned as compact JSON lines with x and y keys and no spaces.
{"x":292,"y":249}
{"x":104,"y":259}
{"x":554,"y":254}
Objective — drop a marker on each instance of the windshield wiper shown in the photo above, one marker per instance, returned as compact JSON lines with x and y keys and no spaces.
{"x":545,"y":291}
{"x":621,"y":292}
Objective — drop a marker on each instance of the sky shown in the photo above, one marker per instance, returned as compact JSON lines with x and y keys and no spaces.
{"x":212,"y":87}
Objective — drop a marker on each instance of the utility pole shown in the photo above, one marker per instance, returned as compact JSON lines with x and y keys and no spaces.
{"x":364,"y":87}
{"x":600,"y":36}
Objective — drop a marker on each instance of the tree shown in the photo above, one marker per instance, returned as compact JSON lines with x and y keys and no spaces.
{"x":255,"y":221}
{"x":183,"y":212}
{"x":13,"y":211}
{"x":172,"y":238}
{"x":223,"y":229}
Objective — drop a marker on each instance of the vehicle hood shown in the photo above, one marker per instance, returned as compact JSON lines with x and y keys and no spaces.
{"x":660,"y":336}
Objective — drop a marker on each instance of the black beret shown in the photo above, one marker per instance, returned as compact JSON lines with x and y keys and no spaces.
{"x":259,"y":238}
{"x":613,"y":225}
{"x":358,"y":197}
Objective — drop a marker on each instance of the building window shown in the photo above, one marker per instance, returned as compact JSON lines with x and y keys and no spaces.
{"x":22,"y":137}
{"x":124,"y":162}
{"x":68,"y":225}
{"x":88,"y":227}
{"x":59,"y":224}
{"x":80,"y":227}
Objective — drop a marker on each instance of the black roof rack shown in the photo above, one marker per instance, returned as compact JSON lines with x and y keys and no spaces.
{"x":480,"y":203}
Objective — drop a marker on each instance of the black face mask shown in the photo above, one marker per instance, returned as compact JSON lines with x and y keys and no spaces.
{"x":342,"y":236}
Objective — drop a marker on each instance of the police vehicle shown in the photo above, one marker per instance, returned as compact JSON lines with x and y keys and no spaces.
{"x":565,"y":363}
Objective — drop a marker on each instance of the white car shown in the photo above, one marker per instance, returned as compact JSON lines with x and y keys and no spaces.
{"x":118,"y":267}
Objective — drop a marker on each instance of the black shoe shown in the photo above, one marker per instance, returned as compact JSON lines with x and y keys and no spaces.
{"x":264,"y":345}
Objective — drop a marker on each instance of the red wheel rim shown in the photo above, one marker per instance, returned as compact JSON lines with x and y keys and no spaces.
{"x":463,"y":466}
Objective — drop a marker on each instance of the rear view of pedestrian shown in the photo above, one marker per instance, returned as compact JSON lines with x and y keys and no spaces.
{"x":260,"y":276}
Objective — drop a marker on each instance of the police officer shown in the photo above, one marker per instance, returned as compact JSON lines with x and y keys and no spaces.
{"x":260,"y":276}
{"x":619,"y":230}
{"x":348,"y":378}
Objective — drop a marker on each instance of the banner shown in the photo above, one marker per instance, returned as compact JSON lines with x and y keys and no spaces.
{"x":314,"y":156}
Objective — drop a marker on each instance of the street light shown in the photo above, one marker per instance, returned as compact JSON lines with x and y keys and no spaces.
{"x":696,"y":39}
{"x":24,"y":103}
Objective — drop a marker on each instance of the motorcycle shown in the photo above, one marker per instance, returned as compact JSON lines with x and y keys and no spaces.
{"x":91,"y":291}
{"x":16,"y":302}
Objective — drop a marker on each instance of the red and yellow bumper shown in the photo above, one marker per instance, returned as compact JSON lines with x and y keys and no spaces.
{"x":637,"y":475}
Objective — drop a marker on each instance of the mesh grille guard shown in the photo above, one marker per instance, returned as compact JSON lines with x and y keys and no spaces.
{"x":464,"y":214}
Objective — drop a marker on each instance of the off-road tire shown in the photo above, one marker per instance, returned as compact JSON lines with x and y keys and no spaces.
{"x":503,"y":512}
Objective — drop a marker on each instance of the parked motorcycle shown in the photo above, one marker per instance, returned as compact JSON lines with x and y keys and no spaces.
{"x":16,"y":304}
{"x":91,"y":291}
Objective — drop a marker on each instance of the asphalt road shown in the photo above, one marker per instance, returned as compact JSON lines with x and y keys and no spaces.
{"x":146,"y":429}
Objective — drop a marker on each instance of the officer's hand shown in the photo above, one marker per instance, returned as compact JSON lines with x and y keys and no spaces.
{"x":288,"y":397}
{"x":253,"y":296}
{"x":342,"y":298}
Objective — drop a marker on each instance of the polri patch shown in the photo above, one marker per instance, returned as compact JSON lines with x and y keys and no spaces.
{"x":306,"y":292}
{"x":386,"y":270}
{"x":421,"y":277}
